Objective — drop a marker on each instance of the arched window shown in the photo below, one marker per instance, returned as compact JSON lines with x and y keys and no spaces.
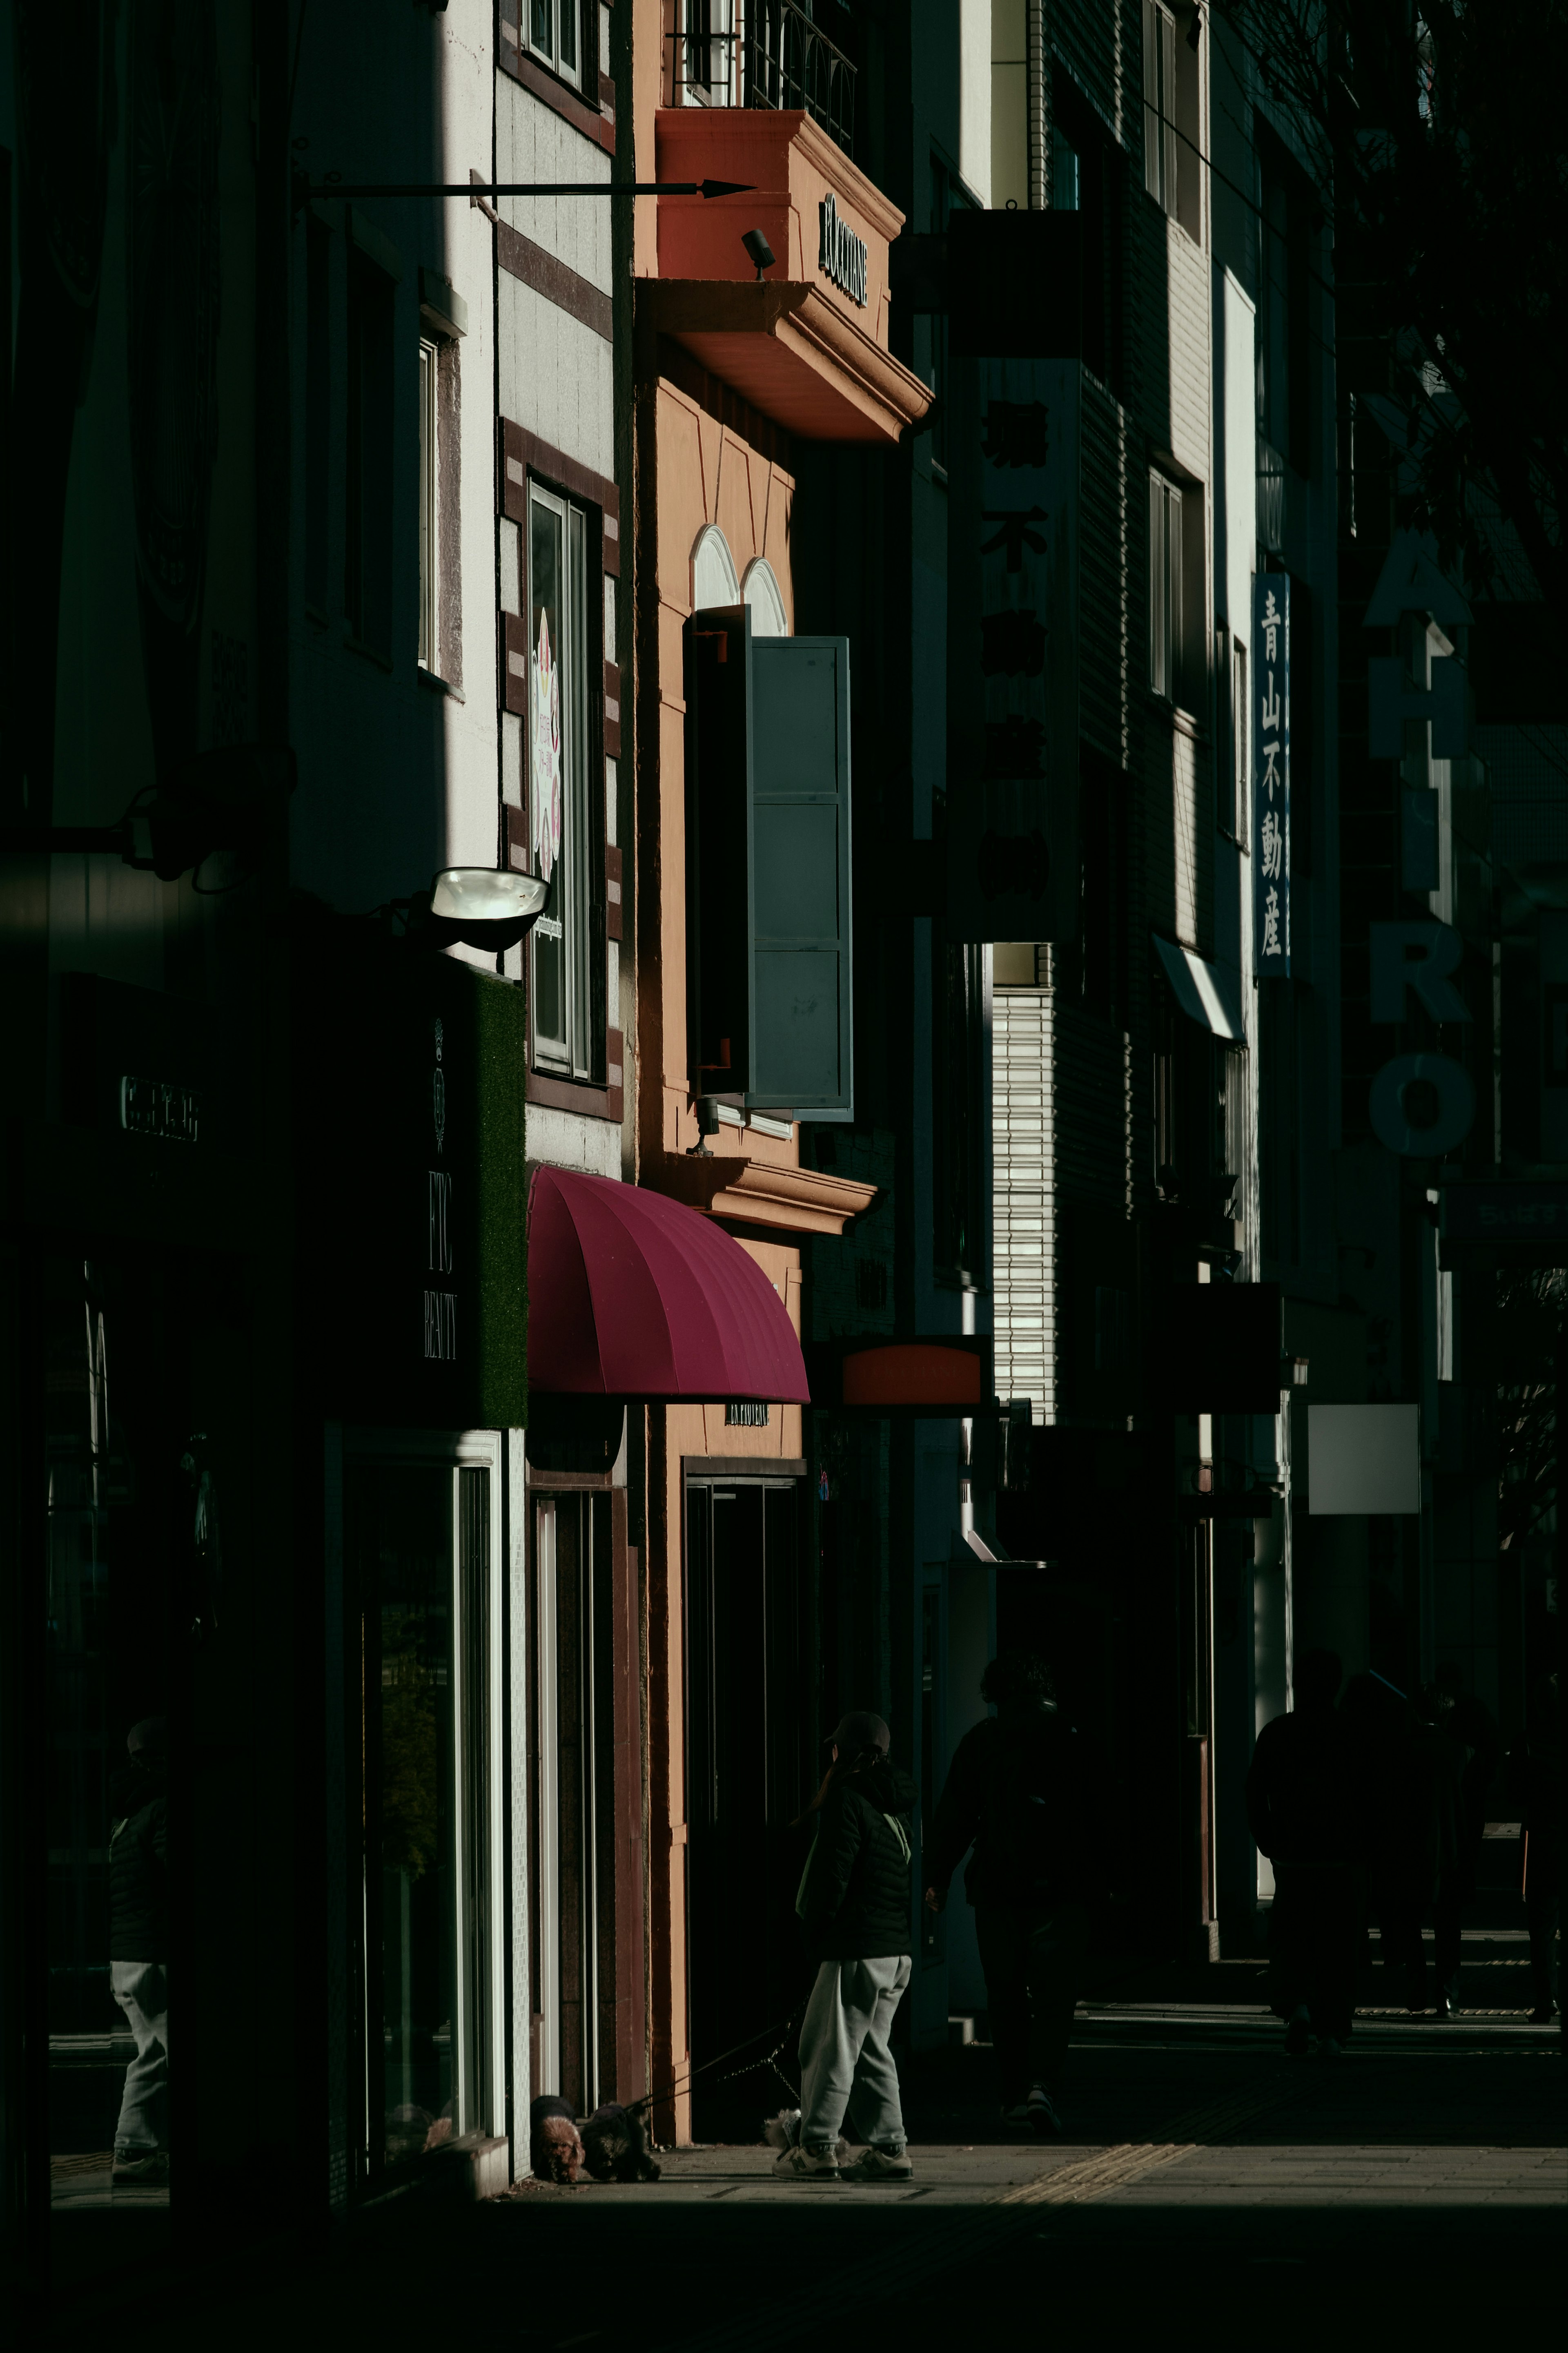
{"x":763,"y":594}
{"x":713,"y":580}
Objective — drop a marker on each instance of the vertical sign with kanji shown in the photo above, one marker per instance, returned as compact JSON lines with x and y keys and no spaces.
{"x":1272,"y":776}
{"x":1013,"y":717}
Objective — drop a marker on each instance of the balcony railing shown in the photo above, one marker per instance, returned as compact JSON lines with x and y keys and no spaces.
{"x":773,"y":53}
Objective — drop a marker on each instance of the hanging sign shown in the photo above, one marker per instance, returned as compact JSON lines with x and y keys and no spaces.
{"x":1272,"y":776}
{"x":1013,"y":717}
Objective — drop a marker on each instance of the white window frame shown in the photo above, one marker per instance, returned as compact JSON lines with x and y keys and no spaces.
{"x":1240,"y":739}
{"x":430,"y":507}
{"x":542,"y":23}
{"x":1160,"y":105}
{"x":569,"y":919}
{"x":1164,"y":587}
{"x":759,"y":589}
{"x":715,"y":584}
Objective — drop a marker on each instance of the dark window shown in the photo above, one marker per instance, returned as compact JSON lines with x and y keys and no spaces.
{"x":367,"y":507}
{"x":958,"y":1150}
{"x":317,"y":413}
{"x":1284,"y":306}
{"x":1086,"y":174}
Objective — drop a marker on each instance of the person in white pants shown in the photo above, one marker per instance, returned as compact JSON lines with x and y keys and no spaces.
{"x":854,"y":1902}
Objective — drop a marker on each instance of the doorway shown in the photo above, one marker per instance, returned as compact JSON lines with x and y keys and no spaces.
{"x":573,"y":1799}
{"x":422,"y":1562}
{"x":748,"y":1775}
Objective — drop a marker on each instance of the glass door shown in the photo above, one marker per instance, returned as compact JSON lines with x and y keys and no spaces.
{"x":419,"y":1554}
{"x":747,"y":1773}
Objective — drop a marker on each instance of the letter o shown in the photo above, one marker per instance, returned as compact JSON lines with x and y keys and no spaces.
{"x":1396,"y":1104}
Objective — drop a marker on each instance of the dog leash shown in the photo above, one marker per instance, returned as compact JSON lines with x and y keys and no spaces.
{"x":684,"y":2084}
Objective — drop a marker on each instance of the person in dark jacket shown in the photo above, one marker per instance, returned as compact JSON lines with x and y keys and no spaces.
{"x":1016,"y":1793}
{"x":139,"y":1949}
{"x":1299,"y":1805}
{"x":854,"y":1904}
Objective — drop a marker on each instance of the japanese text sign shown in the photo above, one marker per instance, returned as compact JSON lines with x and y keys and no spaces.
{"x":1272,"y":776}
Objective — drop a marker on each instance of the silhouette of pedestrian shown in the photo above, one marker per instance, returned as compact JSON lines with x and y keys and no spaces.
{"x":138,"y":1951}
{"x":1299,"y":1804}
{"x":1016,"y":1793}
{"x":853,"y":1904}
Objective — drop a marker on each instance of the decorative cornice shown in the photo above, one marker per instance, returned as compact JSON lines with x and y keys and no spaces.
{"x":761,"y":1192}
{"x":698,"y":311}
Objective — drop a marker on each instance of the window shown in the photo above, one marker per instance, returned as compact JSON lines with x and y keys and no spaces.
{"x":1240,"y":739}
{"x":367,"y":502}
{"x":707,"y":29}
{"x":429,"y":541}
{"x":1160,"y":104}
{"x":763,"y":594}
{"x":1173,"y":112}
{"x":1284,"y":323}
{"x":1165,"y":584}
{"x":1065,"y":165}
{"x":713,"y":582}
{"x":1088,"y":175}
{"x":317,"y":413}
{"x":558,"y":658}
{"x":554,"y":33}
{"x":1178,"y":649}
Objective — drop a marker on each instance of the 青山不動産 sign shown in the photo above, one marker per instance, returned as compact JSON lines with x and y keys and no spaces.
{"x":1272,"y":776}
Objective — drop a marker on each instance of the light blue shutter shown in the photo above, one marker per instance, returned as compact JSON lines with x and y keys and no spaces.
{"x":802,"y":1014}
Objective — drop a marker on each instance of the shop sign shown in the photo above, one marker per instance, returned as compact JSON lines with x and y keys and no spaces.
{"x":841,"y":254}
{"x":1272,"y":776}
{"x":1013,"y":719}
{"x":154,"y":1107}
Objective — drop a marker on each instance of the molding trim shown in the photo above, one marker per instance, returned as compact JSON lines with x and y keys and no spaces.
{"x":531,"y":265}
{"x":761,"y":1192}
{"x":742,"y":1466}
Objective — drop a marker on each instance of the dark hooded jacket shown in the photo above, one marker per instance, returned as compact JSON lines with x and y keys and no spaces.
{"x":138,"y":1869}
{"x":1017,"y":1792}
{"x":854,"y":1900}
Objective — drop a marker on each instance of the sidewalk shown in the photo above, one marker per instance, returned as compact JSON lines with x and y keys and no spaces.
{"x":1208,"y":2187}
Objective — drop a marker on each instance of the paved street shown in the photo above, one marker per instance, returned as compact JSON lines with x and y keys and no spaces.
{"x":1420,"y":2182}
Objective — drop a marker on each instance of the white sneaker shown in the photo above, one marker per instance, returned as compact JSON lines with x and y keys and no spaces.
{"x":1042,"y":2115}
{"x":1018,"y":2113}
{"x":808,"y":2164}
{"x":1329,"y":2047}
{"x":880,"y":2165}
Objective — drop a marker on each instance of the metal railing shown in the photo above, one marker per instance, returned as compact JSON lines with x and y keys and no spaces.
{"x":773,"y":53}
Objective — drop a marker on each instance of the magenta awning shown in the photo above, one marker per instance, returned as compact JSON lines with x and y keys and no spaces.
{"x":632,"y":1295}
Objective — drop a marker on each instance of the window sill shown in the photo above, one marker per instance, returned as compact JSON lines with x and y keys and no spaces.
{"x":579,"y":1096}
{"x":368,"y":653}
{"x":1180,"y":721}
{"x":436,"y":684}
{"x":563,"y":98}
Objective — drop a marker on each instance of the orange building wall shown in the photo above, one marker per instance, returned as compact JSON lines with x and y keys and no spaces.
{"x":704,"y":473}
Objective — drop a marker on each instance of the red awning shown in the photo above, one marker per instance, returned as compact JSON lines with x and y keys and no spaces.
{"x":632,"y":1295}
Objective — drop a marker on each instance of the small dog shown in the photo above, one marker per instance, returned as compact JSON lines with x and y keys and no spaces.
{"x":783,"y":2131}
{"x":554,"y":2145}
{"x":616,"y":2146}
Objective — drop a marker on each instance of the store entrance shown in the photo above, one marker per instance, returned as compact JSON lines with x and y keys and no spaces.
{"x":748,"y":1778}
{"x":420,"y":1550}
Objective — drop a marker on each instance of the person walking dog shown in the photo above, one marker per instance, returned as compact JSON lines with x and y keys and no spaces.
{"x":854,"y":1904}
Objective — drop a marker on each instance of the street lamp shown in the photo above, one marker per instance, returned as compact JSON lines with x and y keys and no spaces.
{"x":480,"y":906}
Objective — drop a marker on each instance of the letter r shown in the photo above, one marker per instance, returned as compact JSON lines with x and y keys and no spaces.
{"x":1416,"y":956}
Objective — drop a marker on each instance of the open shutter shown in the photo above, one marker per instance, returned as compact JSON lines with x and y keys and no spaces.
{"x":801,"y":1028}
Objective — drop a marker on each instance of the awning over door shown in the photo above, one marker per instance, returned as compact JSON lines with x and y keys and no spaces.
{"x":633,"y":1295}
{"x":1208,"y":994}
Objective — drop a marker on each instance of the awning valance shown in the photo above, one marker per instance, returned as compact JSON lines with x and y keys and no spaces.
{"x":1208,"y":994}
{"x":633,"y":1295}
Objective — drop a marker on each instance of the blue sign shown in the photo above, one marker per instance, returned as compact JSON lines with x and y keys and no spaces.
{"x":1272,"y":776}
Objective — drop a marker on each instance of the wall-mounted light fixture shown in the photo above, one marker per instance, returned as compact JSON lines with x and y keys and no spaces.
{"x":759,"y":249}
{"x":478,"y":906}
